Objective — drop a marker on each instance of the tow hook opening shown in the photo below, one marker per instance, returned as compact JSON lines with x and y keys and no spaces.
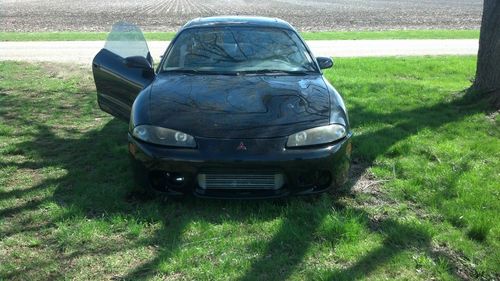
{"x":164,"y":180}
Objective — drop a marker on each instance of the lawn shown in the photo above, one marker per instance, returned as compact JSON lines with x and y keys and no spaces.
{"x":422,"y":202}
{"x":327,"y":35}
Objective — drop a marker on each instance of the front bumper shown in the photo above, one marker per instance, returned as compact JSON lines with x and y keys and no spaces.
{"x":306,"y":170}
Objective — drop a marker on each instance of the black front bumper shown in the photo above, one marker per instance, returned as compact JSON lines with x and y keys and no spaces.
{"x":306,"y":171}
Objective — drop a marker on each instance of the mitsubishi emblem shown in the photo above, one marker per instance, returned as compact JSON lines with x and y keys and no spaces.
{"x":241,"y":146}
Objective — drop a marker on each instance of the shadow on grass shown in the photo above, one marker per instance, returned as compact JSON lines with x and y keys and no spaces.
{"x":97,"y":184}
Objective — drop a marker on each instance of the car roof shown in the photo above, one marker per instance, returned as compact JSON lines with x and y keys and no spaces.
{"x":237,"y":21}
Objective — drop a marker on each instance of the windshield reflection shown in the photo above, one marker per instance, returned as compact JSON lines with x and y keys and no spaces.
{"x":241,"y":50}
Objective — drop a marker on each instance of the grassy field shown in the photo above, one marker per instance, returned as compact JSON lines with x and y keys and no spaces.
{"x":329,"y":35}
{"x":422,"y":202}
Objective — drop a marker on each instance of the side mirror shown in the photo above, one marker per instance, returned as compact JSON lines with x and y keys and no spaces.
{"x":137,"y":62}
{"x":324,"y":62}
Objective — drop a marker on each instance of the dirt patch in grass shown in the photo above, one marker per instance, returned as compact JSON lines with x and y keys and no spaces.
{"x":493,"y":116}
{"x":364,"y":180}
{"x":460,"y":265}
{"x":83,"y":74}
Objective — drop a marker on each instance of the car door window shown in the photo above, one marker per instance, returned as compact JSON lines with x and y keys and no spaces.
{"x":127,"y":40}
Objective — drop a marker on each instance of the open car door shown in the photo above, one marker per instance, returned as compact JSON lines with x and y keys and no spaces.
{"x":122,"y":69}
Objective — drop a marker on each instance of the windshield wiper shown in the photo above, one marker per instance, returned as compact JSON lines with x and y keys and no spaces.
{"x":189,"y":71}
{"x":244,"y":72}
{"x":277,"y":71}
{"x":195,"y":71}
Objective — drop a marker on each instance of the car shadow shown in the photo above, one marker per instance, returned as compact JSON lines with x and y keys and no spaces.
{"x":97,"y":184}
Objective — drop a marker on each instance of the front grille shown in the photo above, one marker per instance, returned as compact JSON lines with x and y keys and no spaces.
{"x":241,"y":181}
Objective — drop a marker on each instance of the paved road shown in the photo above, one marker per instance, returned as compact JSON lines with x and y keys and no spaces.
{"x":82,"y":52}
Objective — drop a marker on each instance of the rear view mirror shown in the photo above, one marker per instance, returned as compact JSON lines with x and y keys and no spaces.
{"x":324,"y":62}
{"x":137,"y":62}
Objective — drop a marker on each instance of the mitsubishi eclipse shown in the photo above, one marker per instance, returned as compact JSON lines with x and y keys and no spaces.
{"x":238,"y":107}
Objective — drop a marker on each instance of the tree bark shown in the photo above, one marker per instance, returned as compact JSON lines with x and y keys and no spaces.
{"x":487,"y":81}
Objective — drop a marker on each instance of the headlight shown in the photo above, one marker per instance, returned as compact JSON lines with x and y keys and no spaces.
{"x":319,"y":135}
{"x":163,"y":136}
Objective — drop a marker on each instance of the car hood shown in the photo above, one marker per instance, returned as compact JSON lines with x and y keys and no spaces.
{"x":247,"y":106}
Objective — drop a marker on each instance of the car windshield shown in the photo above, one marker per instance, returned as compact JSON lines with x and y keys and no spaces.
{"x":239,"y":50}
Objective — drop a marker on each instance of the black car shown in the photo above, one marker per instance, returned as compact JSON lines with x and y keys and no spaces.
{"x":237,"y":108}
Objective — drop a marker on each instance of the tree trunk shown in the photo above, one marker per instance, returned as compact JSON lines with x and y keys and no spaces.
{"x":487,"y":81}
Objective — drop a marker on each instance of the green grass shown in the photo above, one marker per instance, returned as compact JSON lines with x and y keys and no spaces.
{"x":422,"y":204}
{"x":327,"y":35}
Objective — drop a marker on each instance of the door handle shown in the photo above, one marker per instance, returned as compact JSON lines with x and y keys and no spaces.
{"x":95,"y":65}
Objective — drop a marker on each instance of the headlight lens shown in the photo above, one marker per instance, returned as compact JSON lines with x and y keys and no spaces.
{"x":319,"y":135}
{"x":163,"y":136}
